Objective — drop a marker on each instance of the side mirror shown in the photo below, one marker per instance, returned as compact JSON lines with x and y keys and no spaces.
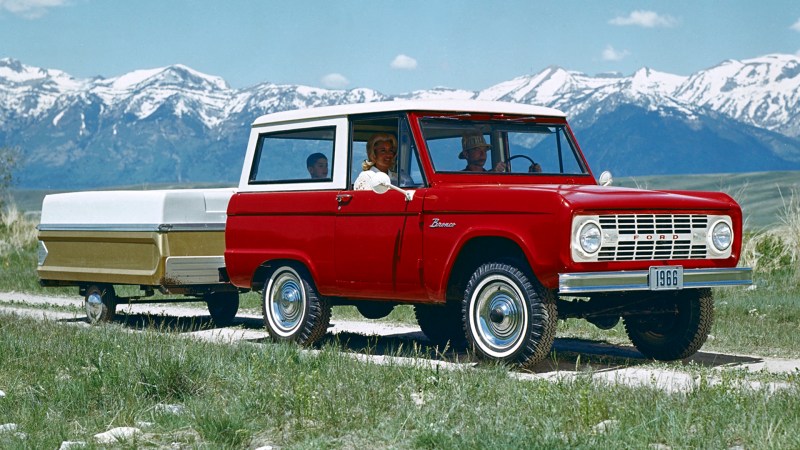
{"x":605,"y":178}
{"x":380,"y":183}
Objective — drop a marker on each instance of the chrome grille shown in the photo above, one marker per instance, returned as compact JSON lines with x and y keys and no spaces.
{"x":636,"y":237}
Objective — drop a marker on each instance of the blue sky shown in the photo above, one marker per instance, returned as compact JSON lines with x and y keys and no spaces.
{"x":391,"y":46}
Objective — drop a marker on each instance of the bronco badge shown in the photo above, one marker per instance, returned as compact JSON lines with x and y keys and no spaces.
{"x":437,"y":224}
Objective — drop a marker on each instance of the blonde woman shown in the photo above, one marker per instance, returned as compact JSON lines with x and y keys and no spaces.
{"x":381,"y":152}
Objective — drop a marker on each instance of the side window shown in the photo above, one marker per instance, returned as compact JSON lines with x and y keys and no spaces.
{"x":405,"y":170}
{"x":294,"y":156}
{"x":383,"y":130}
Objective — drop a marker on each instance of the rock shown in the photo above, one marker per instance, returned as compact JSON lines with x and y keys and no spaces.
{"x":117,"y":434}
{"x":605,"y":426}
{"x":2,"y":394}
{"x":266,"y":447}
{"x":66,"y":445}
{"x":8,"y":427}
{"x":659,"y":447}
{"x":170,"y":409}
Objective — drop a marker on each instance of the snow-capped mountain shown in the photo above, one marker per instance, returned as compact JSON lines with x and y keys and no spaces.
{"x":764,"y":92}
{"x":175,"y":124}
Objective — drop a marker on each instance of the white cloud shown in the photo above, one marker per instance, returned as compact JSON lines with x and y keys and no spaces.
{"x":796,"y":26}
{"x":645,"y":19}
{"x":404,"y":62}
{"x":30,"y":9}
{"x":335,"y":81}
{"x":612,"y":54}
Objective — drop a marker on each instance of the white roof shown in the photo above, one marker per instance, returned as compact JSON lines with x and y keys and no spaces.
{"x":408,"y":105}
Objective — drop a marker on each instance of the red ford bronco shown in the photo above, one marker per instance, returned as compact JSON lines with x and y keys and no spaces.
{"x":488,"y":220}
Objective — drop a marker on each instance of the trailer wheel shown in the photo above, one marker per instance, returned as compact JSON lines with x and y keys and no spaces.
{"x":508,"y":316}
{"x":100,"y":303}
{"x":223,"y":307}
{"x":293,"y":311}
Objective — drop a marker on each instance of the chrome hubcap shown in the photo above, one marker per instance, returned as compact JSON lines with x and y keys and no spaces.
{"x":287,"y":302}
{"x":498,"y":316}
{"x":94,"y":306}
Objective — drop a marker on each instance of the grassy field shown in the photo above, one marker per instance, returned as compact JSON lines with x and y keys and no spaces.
{"x":68,"y":383}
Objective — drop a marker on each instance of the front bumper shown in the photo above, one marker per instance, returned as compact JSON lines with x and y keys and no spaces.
{"x":637,"y":280}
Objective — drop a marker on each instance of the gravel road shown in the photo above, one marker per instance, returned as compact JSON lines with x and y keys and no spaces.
{"x":604,"y":362}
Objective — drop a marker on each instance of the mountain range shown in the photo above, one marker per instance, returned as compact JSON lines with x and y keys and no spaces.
{"x":177,"y":125}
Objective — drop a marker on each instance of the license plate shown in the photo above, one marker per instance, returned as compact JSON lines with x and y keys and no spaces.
{"x":664,"y":278}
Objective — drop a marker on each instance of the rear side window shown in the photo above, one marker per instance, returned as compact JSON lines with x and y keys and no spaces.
{"x":294,"y":156}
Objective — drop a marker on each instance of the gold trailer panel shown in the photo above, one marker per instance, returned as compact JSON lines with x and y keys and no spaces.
{"x":164,"y":239}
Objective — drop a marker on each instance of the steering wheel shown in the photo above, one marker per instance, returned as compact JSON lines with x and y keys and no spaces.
{"x":533,"y":163}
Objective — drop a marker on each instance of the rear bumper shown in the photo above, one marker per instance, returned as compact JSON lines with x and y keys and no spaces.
{"x":637,"y":280}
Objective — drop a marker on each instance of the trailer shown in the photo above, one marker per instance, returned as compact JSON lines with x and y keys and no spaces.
{"x":166,"y":241}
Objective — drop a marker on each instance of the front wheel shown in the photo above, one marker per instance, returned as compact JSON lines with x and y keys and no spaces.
{"x":507,"y":316}
{"x":100,"y":303}
{"x":293,"y":311}
{"x":222,"y":306}
{"x":678,"y":326}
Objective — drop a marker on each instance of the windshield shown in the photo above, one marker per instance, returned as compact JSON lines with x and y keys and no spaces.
{"x":501,"y":147}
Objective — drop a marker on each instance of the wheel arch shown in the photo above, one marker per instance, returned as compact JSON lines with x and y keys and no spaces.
{"x":265,"y":269}
{"x":478,"y":250}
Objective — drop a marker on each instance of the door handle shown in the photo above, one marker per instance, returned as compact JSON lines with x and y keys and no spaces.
{"x":344,"y":198}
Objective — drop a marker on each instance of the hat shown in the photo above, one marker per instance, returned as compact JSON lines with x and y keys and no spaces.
{"x":472,"y":140}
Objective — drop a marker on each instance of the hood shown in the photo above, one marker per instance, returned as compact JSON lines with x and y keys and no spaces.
{"x":602,"y":198}
{"x":548,"y":198}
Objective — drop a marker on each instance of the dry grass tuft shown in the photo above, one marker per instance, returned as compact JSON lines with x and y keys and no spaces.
{"x":16,"y":232}
{"x":777,"y":250}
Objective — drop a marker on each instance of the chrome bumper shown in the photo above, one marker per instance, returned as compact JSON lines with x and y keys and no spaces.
{"x":636,"y":280}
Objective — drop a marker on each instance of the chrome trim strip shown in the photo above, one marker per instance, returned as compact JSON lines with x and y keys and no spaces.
{"x":193,"y":269}
{"x":42,"y":253}
{"x":159,"y":228}
{"x":636,"y":280}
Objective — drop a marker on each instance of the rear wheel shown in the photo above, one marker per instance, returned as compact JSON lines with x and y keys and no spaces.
{"x":677,"y":329}
{"x":442,"y":324}
{"x":100,"y":303}
{"x":293,"y":311}
{"x":222,"y":306}
{"x":375,"y":309}
{"x":508,"y":316}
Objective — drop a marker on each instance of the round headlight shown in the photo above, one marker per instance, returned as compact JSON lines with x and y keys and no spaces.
{"x":590,"y":237}
{"x":721,"y":236}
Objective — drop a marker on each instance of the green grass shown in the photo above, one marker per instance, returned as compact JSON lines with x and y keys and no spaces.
{"x":69,"y":383}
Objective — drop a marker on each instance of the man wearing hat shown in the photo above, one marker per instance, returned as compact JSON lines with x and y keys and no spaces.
{"x":473,"y":149}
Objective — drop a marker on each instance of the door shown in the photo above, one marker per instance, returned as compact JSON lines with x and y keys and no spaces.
{"x":378,"y":247}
